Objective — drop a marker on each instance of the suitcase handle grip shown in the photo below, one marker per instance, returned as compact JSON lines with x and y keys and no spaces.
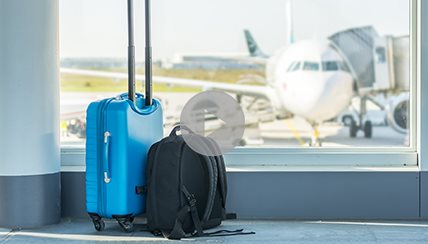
{"x":106,"y":147}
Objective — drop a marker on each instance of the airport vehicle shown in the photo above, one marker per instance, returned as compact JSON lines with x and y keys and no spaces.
{"x":377,"y":115}
{"x":373,"y":118}
{"x":120,"y":132}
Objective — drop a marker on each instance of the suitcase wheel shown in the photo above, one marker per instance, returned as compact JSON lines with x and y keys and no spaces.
{"x":98,"y":222}
{"x":126,"y":225}
{"x":99,"y":225}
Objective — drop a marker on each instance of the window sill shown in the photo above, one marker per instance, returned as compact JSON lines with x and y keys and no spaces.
{"x":273,"y":159}
{"x":277,"y":168}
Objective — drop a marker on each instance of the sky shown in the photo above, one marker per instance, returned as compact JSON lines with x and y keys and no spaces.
{"x":98,"y":28}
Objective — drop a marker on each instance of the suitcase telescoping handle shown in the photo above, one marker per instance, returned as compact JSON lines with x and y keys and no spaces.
{"x":131,"y":54}
{"x":148,"y":57}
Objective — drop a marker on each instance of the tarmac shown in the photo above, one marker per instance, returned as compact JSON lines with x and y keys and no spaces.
{"x":266,"y":231}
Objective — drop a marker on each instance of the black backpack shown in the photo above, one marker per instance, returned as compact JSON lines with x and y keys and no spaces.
{"x":186,"y":191}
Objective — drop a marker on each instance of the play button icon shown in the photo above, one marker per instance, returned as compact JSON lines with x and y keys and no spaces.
{"x":212,"y":116}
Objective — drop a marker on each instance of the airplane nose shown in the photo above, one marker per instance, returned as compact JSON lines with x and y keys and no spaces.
{"x":337,"y":92}
{"x":338,"y":81}
{"x":317,"y":95}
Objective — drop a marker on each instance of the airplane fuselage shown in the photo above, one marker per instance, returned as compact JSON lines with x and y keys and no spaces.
{"x":311,"y":80}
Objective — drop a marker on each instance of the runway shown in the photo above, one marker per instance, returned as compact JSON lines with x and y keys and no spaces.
{"x":289,"y":133}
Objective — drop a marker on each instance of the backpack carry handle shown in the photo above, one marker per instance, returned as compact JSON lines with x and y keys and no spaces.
{"x":148,"y":57}
{"x":131,"y":52}
{"x":178,"y":128}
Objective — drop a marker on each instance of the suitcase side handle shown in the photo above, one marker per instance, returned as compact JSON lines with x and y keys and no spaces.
{"x":106,"y":149}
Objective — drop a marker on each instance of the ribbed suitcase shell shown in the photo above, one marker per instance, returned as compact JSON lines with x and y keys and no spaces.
{"x":133,"y":131}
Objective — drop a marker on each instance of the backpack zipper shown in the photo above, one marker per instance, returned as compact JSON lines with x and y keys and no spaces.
{"x":180,"y":174}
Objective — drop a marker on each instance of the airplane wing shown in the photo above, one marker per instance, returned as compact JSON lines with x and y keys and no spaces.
{"x":251,"y":90}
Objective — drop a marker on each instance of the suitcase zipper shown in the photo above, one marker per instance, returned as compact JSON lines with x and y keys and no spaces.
{"x":100,"y":128}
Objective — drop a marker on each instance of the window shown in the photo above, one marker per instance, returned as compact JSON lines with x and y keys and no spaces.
{"x":330,"y":66}
{"x":295,"y":66}
{"x":380,"y":55}
{"x":212,"y":49}
{"x":311,"y":66}
{"x":290,"y":68}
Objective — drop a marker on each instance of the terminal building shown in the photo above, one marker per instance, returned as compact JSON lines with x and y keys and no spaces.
{"x":212,"y":62}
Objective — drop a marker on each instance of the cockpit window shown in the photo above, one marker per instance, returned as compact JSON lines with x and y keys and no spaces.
{"x":330,"y":66}
{"x":311,"y":66}
{"x":294,"y":67}
{"x":291,"y":66}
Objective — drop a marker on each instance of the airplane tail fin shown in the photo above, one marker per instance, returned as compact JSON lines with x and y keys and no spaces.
{"x":253,"y":48}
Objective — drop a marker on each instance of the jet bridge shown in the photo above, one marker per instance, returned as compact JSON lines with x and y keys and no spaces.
{"x":377,"y":62}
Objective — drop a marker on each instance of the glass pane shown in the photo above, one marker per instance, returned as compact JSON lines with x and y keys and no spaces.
{"x":381,"y":55}
{"x":291,"y":67}
{"x":360,"y":49}
{"x":311,"y":66}
{"x":294,"y":67}
{"x":297,"y":66}
{"x":330,"y":66}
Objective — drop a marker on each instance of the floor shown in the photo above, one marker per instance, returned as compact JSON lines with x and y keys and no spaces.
{"x":82,"y":231}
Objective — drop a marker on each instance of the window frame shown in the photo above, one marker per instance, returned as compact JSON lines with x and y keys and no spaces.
{"x":74,"y":155}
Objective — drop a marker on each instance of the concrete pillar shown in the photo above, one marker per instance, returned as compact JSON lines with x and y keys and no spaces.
{"x":422,"y":106}
{"x":29,"y":113}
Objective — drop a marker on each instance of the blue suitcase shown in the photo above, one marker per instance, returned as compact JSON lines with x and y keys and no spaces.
{"x":119,"y":134}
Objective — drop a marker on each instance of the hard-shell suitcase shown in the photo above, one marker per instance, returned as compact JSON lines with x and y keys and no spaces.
{"x":120,"y":132}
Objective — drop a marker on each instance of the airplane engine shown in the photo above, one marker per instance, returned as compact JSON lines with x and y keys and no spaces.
{"x":398,"y":113}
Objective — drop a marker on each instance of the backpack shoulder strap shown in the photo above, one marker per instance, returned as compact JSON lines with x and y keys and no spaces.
{"x":177,"y":232}
{"x":213,"y":187}
{"x":213,"y":178}
{"x":221,"y":168}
